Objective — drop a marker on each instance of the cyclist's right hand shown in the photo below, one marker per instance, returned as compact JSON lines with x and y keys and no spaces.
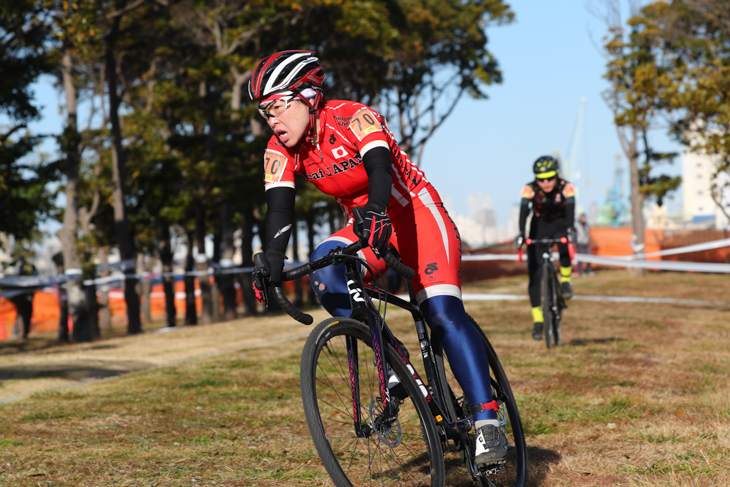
{"x":375,"y":228}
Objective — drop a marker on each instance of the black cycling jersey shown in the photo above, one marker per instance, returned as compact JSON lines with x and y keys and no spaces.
{"x":559,"y":204}
{"x":552,"y":214}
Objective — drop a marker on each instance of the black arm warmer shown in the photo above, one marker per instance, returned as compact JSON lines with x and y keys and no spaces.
{"x":380,"y":177}
{"x":570,"y":210}
{"x":279,"y":218}
{"x":524,"y":211}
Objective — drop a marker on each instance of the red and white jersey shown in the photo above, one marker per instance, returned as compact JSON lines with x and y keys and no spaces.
{"x":348,"y":130}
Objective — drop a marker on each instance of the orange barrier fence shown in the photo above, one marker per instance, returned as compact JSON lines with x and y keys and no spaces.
{"x":617,"y":242}
{"x":46,"y":309}
{"x":604,"y":242}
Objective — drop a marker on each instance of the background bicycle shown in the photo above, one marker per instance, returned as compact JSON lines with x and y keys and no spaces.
{"x":553,"y":302}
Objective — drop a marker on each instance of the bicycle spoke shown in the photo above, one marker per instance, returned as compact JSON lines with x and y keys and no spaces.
{"x":392,"y":451}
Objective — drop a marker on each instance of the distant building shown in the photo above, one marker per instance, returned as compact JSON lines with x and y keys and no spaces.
{"x":658,"y":218}
{"x":479,"y":228}
{"x":699,"y":208}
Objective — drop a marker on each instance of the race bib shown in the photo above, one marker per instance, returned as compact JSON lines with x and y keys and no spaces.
{"x":274,"y":163}
{"x":364,"y":123}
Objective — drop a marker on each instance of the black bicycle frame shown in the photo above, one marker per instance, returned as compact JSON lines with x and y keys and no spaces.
{"x":363,"y":310}
{"x":550,"y":273}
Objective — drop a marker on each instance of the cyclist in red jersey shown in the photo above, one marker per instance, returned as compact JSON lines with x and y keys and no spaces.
{"x":345,"y":149}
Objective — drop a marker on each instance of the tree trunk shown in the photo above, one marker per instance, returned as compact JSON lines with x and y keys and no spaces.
{"x":637,"y":200}
{"x":106,"y":315}
{"x":146,"y":285}
{"x":77,"y":304}
{"x":63,"y":331}
{"x":227,"y":288}
{"x":215,"y":287}
{"x":191,"y":314}
{"x":206,"y":313}
{"x":91,"y":299}
{"x":247,"y":233}
{"x":332,"y":220}
{"x":119,"y":156}
{"x":168,"y":281}
{"x":24,"y":309}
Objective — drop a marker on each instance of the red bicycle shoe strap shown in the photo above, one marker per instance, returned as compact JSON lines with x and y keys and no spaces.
{"x":484,"y":406}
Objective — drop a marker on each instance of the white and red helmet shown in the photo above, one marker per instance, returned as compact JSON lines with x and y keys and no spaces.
{"x":289,"y":74}
{"x":285,"y":71}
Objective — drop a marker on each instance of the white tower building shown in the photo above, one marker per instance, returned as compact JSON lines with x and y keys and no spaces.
{"x":699,"y":208}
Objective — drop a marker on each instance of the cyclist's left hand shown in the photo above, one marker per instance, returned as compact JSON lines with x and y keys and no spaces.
{"x":376,"y":228}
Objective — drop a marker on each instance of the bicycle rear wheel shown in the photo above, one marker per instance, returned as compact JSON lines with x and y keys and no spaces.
{"x":401,"y":451}
{"x":514,"y":472}
{"x":547,"y":303}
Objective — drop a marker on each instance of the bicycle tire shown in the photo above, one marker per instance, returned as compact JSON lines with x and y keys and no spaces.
{"x":515,"y":471}
{"x":547,"y":304}
{"x":326,"y":395}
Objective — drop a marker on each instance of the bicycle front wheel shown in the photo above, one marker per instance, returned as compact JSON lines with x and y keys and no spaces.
{"x":547,"y":304}
{"x":404,"y":450}
{"x":556,"y":329}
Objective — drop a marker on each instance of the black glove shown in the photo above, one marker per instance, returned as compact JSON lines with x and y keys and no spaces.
{"x":376,"y":228}
{"x":276,"y":266}
{"x":519,"y":240}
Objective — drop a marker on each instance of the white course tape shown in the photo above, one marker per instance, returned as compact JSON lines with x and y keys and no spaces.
{"x":493,"y":297}
{"x":715,"y":244}
{"x":613,"y":299}
{"x":635,"y":261}
{"x":663,"y":265}
{"x":635,"y":299}
{"x":490,"y":257}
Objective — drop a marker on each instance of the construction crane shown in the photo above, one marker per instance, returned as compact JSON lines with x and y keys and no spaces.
{"x":613,"y":210}
{"x":568,"y":166}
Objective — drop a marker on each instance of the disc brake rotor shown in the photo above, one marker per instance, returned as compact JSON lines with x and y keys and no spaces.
{"x":387,"y":428}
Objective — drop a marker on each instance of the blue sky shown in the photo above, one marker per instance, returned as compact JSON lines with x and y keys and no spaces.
{"x":549,"y":63}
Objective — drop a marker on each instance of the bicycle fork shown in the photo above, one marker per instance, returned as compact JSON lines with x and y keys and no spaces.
{"x":381,"y":334}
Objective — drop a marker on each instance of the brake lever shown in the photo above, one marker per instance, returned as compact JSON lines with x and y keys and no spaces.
{"x":260,"y":287}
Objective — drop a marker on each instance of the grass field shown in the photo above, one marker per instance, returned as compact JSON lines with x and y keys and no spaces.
{"x":639,"y":395}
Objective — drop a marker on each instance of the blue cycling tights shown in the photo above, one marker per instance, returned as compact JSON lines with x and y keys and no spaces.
{"x":445,"y":316}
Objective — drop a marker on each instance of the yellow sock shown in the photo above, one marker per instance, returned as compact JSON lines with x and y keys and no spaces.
{"x":537,"y":315}
{"x":565,"y":273}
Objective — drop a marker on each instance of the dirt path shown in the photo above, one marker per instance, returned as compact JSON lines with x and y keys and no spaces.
{"x":22,"y":374}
